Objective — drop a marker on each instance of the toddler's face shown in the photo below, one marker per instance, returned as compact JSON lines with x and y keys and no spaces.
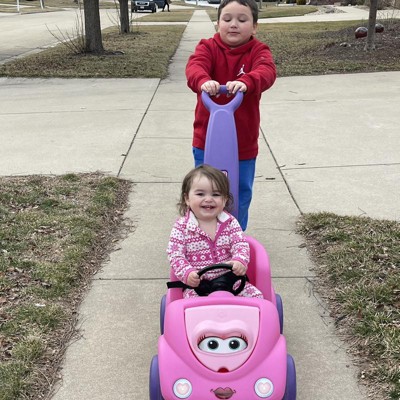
{"x":236,"y":24}
{"x":204,"y":199}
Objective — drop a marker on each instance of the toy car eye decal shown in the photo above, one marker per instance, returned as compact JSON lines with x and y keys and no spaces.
{"x":210,"y":344}
{"x":237,"y":344}
{"x":214,"y":344}
{"x":182,"y":388}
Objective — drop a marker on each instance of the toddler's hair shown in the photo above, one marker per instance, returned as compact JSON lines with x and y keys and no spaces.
{"x":249,"y":3}
{"x":218,"y":179}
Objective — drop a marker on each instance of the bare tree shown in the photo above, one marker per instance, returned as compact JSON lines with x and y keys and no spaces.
{"x":373,"y":10}
{"x":124,"y":16}
{"x":94,"y":42}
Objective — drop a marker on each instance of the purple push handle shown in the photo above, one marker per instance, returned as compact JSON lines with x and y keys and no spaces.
{"x":221,"y":148}
{"x":230,"y":107}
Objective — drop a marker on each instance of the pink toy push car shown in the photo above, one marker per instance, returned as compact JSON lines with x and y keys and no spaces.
{"x":222,"y":346}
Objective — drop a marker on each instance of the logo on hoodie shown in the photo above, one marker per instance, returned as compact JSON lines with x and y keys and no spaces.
{"x":241,"y":71}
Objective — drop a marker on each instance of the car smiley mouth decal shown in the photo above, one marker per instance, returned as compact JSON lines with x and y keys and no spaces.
{"x":223,"y":393}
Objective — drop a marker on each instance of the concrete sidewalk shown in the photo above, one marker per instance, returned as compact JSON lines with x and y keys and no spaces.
{"x":342,"y":14}
{"x":24,"y":34}
{"x":328,"y":143}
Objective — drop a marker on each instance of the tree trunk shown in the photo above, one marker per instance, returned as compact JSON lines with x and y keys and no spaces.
{"x":124,"y":16}
{"x":93,"y":39}
{"x":373,"y":9}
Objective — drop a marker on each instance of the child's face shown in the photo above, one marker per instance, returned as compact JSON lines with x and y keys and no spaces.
{"x":204,"y":200}
{"x":236,"y":24}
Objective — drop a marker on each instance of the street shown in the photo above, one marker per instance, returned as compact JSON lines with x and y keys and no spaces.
{"x":42,"y":29}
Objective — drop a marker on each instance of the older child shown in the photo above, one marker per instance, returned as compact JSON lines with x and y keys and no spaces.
{"x":206,"y":234}
{"x":235,"y":58}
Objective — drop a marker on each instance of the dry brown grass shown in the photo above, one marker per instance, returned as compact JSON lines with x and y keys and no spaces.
{"x":357,"y":264}
{"x":55,"y":233}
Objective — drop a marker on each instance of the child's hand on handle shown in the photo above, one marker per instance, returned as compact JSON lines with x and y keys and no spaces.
{"x":193,"y":279}
{"x":211,"y":87}
{"x":238,"y":268}
{"x":236,"y":86}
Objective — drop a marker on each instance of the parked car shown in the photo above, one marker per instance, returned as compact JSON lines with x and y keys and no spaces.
{"x":146,"y":5}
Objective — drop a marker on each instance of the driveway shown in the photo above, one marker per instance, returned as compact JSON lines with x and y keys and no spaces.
{"x":23,"y":34}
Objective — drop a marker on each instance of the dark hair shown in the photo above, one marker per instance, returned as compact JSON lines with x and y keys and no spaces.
{"x":249,"y":3}
{"x":218,"y":179}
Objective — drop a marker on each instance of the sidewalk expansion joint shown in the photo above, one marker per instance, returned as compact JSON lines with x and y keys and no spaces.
{"x":84,"y":110}
{"x":342,"y":166}
{"x":281,"y":173}
{"x":137,"y":130}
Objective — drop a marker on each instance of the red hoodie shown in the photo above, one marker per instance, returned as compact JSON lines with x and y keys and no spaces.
{"x":252,"y":64}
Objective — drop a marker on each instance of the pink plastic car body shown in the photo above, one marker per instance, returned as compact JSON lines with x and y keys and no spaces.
{"x":255,"y":367}
{"x":263,"y":370}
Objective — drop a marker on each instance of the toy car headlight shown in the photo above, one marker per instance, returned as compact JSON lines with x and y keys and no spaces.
{"x":182,"y":388}
{"x":264,"y":388}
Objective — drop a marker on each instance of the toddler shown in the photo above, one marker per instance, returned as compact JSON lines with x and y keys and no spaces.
{"x":206,"y":233}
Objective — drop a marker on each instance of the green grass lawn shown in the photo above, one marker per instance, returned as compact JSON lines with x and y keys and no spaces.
{"x":144,"y":53}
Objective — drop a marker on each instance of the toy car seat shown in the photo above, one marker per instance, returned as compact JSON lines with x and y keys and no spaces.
{"x":258,"y":272}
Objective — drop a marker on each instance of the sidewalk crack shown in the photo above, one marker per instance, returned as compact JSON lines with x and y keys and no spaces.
{"x":280,"y":172}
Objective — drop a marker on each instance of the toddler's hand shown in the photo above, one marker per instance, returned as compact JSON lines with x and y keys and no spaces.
{"x":193,"y":279}
{"x":235,"y":86}
{"x":238,"y":268}
{"x":211,"y":87}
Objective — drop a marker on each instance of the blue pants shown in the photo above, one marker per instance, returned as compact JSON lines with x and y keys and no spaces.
{"x":246,"y":179}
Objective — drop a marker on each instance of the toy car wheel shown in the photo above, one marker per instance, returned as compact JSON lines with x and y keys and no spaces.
{"x":154,"y":381}
{"x":279,"y":307}
{"x":162,"y":313}
{"x":291,"y":388}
